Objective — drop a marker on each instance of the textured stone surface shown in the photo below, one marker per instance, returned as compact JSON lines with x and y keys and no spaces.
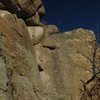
{"x":18,"y":67}
{"x":51,"y":29}
{"x":2,"y":6}
{"x":41,"y":11}
{"x":97,"y":59}
{"x":23,"y":8}
{"x":38,"y":64}
{"x":29,"y":10}
{"x":36,"y":34}
{"x":32,"y":21}
{"x":63,"y":68}
{"x":4,"y":93}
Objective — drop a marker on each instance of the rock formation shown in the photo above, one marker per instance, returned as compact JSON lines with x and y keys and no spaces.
{"x":29,"y":10}
{"x":39,"y":63}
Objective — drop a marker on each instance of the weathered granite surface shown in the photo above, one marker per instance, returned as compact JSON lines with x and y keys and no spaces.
{"x":29,"y":10}
{"x":66,"y":62}
{"x":37,"y":62}
{"x":20,"y":78}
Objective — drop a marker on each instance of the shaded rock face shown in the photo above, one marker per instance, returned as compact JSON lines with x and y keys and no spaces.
{"x":29,"y":10}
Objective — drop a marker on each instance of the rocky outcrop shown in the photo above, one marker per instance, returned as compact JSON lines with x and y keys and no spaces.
{"x":29,"y":10}
{"x":66,"y":62}
{"x":20,"y":79}
{"x":39,"y":63}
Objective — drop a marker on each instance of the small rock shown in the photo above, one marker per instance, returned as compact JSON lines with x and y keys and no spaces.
{"x":51,"y":29}
{"x":36,"y":34}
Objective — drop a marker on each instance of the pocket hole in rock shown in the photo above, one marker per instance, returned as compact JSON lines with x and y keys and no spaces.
{"x":40,"y":68}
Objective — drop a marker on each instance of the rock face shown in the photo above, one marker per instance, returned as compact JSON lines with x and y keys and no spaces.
{"x":39,"y":63}
{"x":51,"y":29}
{"x":20,"y":79}
{"x":36,"y":34}
{"x":67,"y":65}
{"x":29,"y":10}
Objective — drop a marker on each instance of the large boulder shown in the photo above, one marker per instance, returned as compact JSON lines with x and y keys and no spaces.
{"x":19,"y":74}
{"x":64,"y":70}
{"x":50,"y":43}
{"x":23,"y":8}
{"x":29,"y":10}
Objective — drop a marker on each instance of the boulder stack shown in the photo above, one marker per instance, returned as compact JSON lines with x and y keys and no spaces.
{"x":29,"y":10}
{"x":39,"y":63}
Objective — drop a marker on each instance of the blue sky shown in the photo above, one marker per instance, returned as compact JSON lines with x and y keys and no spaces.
{"x":72,"y":14}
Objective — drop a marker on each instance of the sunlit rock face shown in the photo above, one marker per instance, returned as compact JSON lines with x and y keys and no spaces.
{"x":19,"y":74}
{"x":36,"y":34}
{"x":66,"y":62}
{"x":51,"y":29}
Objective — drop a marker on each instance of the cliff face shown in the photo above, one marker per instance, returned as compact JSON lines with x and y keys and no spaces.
{"x":37,"y":63}
{"x":18,"y":65}
{"x":66,"y":61}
